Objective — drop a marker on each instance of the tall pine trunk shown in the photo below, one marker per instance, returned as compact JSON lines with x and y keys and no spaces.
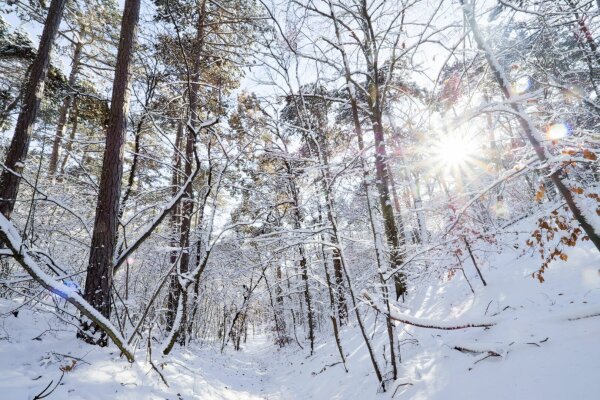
{"x":19,"y":146}
{"x":98,"y":283}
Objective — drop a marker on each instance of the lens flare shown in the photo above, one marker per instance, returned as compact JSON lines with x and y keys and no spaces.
{"x":500,"y":209}
{"x":522,"y":85}
{"x":557,"y":131}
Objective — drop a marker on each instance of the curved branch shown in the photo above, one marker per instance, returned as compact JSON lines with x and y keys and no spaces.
{"x":11,"y":238}
{"x":165,"y":210}
{"x":423,"y":323}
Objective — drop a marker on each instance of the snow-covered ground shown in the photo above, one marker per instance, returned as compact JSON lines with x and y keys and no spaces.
{"x":543,"y":353}
{"x":539,"y":350}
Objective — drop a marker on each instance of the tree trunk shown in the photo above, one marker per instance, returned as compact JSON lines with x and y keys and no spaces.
{"x":63,"y":116}
{"x":98,"y":283}
{"x":374,"y":101}
{"x":19,"y":146}
{"x":332,"y":303}
{"x":303,"y":260}
{"x":322,"y":150}
{"x":187,"y":200}
{"x":174,"y":222}
{"x":69,"y":144}
{"x":359,"y":135}
{"x":385,"y":199}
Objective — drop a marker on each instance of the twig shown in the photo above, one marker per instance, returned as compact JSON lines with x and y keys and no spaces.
{"x":43,"y":393}
{"x":162,"y":377}
{"x":325,"y":367}
{"x":486,"y":357}
{"x":585,"y":316}
{"x":74,"y":358}
{"x":402,"y":384}
{"x":538,"y":343}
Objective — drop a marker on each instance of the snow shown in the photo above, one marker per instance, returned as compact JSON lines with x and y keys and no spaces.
{"x":544,"y":355}
{"x":538,"y":349}
{"x":13,"y":240}
{"x":29,"y":365}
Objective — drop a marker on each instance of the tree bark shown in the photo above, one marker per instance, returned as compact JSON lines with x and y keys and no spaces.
{"x":374,"y":101}
{"x":326,"y":182}
{"x":174,"y":222}
{"x":303,"y":261}
{"x":98,"y":283}
{"x":332,"y":316}
{"x":19,"y":146}
{"x":359,"y":136}
{"x":383,"y":188}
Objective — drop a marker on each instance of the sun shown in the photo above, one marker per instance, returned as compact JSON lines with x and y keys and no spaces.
{"x":454,"y":151}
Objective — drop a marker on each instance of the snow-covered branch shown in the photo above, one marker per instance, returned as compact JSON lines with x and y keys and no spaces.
{"x":11,"y":238}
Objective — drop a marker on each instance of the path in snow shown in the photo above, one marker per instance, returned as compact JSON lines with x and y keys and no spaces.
{"x":27,"y":367}
{"x":243,"y":375}
{"x":262,"y":371}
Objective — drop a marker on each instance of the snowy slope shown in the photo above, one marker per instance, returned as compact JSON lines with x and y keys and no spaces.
{"x":537,"y":351}
{"x":544,"y":355}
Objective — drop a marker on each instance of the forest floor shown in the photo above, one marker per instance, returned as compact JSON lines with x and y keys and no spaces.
{"x":34,"y":352}
{"x":540,"y":348}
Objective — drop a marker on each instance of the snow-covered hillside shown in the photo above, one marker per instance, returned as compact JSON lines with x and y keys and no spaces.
{"x":545,"y":345}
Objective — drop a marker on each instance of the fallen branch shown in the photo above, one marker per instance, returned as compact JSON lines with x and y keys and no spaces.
{"x":11,"y":238}
{"x":492,"y":353}
{"x":484,"y":358}
{"x":401,"y":385}
{"x":325,"y":367}
{"x":423,"y":323}
{"x":479,"y":350}
{"x":538,"y":343}
{"x":154,"y":367}
{"x":591,"y":315}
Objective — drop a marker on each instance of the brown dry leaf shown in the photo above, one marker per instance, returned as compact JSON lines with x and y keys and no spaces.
{"x":588,"y":155}
{"x":68,"y":368}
